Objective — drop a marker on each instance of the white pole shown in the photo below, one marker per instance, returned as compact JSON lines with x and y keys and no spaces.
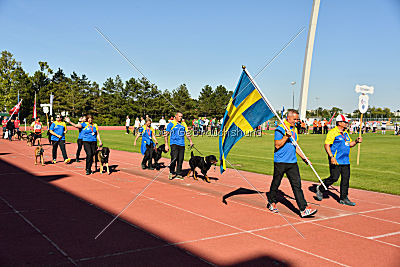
{"x":307,"y":60}
{"x":279,"y":118}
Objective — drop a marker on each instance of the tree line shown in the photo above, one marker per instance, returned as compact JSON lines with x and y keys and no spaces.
{"x":110,"y":103}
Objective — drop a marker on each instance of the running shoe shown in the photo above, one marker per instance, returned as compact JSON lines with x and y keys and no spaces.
{"x":347,"y":202}
{"x":54,"y":161}
{"x":307,"y":212}
{"x":180,"y":177}
{"x":272,"y":207}
{"x":170,"y":176}
{"x":67,"y":161}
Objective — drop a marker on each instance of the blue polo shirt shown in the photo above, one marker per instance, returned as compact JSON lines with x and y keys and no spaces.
{"x":58,"y":128}
{"x":80,"y":131}
{"x":89,"y":132}
{"x":340,"y":145}
{"x":287,"y":153}
{"x":178,"y":132}
{"x":147,"y":133}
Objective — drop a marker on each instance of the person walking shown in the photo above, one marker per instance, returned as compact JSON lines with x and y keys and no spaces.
{"x":17,"y":124}
{"x":285,"y":162}
{"x":383,"y":127}
{"x":58,"y":129}
{"x":79,"y":141}
{"x":4,"y":125}
{"x":148,"y":135}
{"x":37,"y":131}
{"x":127,"y":123}
{"x":337,"y":146}
{"x":177,"y":129}
{"x":10,"y":128}
{"x":90,"y":135}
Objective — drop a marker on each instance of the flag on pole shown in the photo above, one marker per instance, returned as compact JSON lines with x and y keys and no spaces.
{"x":15,"y":109}
{"x":329,"y":122}
{"x":34,"y":109}
{"x":246,"y":110}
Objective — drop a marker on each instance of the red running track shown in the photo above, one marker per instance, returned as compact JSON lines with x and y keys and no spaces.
{"x":51,"y":214}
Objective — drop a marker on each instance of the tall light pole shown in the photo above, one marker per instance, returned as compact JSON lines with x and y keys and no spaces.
{"x":293,"y":83}
{"x":307,"y":60}
{"x":316,"y":99}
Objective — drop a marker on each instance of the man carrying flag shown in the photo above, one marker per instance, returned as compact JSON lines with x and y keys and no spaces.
{"x":285,"y":161}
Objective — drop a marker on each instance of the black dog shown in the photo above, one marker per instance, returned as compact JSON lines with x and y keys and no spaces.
{"x":102,"y":156}
{"x":30,"y":139}
{"x":157,"y":154}
{"x":203,"y":163}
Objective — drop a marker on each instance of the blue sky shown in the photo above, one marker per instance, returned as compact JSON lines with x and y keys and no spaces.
{"x":206,"y":42}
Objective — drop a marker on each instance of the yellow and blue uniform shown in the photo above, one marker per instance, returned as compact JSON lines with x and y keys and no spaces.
{"x":89,"y":132}
{"x":178,"y":132}
{"x":58,"y":128}
{"x":340,"y":145}
{"x":287,"y":153}
{"x":147,"y":133}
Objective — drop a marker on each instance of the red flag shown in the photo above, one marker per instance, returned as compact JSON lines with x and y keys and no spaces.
{"x":34,"y":109}
{"x":332,"y":118}
{"x":15,"y":109}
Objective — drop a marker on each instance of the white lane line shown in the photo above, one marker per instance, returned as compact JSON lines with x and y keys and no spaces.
{"x":40,"y":232}
{"x":384,"y":235}
{"x":249,"y":232}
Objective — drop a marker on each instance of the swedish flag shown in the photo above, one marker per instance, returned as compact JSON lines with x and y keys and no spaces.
{"x":246,"y":110}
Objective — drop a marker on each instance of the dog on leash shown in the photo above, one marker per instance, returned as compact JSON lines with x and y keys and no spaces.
{"x":203,"y":163}
{"x":157,"y":154}
{"x":30,"y":138}
{"x":102,"y":156}
{"x":39,"y":151}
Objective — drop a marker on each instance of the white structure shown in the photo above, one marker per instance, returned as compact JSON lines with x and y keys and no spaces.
{"x":307,"y":59}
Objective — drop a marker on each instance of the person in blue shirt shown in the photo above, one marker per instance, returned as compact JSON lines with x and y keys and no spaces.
{"x":90,"y":135}
{"x":337,"y":146}
{"x":58,"y":129}
{"x":79,"y":141}
{"x":285,"y":162}
{"x":147,"y":147}
{"x":178,"y":130}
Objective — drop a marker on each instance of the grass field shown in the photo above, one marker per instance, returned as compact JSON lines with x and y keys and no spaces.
{"x":379,"y":168}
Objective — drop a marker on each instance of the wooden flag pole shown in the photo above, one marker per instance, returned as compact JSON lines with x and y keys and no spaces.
{"x":359,"y":135}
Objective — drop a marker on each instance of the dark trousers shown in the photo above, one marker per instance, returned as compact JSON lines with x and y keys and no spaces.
{"x":62,"y":147}
{"x":148,"y":155}
{"x":335,"y":172}
{"x":90,"y":149}
{"x":127,"y":129}
{"x":177,"y":156}
{"x":78,"y":151}
{"x":293,"y":174}
{"x":325,"y":129}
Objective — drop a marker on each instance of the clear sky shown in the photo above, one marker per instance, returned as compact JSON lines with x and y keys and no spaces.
{"x":206,"y":42}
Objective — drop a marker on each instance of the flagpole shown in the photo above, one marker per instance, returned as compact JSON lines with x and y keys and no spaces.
{"x":34,"y":110}
{"x":274,"y":111}
{"x":18,"y":102}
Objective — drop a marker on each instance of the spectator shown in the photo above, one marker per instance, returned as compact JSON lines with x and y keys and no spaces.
{"x":136,"y":126}
{"x":142,"y":122}
{"x":10,"y":128}
{"x":17,"y":123}
{"x":127,"y":123}
{"x":162,"y":125}
{"x":4,"y":124}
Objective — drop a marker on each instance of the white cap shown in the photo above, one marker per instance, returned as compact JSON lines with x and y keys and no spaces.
{"x":341,"y":118}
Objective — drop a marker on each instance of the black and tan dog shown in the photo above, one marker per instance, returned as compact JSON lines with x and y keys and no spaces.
{"x":203,"y":163}
{"x":39,"y":151}
{"x":102,"y":156}
{"x":30,"y":138}
{"x":157,"y":154}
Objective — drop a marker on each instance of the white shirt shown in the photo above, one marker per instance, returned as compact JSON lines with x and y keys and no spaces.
{"x":137,"y":123}
{"x":128,"y":121}
{"x":163,"y":122}
{"x":142,"y":122}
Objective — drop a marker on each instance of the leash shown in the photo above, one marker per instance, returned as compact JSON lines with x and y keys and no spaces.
{"x":192,"y":146}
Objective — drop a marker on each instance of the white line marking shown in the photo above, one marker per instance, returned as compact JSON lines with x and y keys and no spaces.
{"x":385,"y":235}
{"x":249,"y":232}
{"x":40,"y":232}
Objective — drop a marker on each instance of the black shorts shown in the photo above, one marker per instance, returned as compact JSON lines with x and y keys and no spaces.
{"x":37,"y":135}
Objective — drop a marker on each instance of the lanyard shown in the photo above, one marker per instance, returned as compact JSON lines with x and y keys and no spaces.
{"x":148,"y":132}
{"x":344,"y":137}
{"x":91,"y":128}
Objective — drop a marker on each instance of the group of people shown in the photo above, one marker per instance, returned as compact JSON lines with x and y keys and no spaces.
{"x":337,"y":146}
{"x":10,"y":127}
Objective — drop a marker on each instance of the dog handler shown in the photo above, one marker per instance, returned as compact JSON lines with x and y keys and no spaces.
{"x":79,"y":141}
{"x":337,"y":146}
{"x":285,"y":161}
{"x":37,"y":131}
{"x":147,"y":133}
{"x":178,"y":129}
{"x":58,"y":129}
